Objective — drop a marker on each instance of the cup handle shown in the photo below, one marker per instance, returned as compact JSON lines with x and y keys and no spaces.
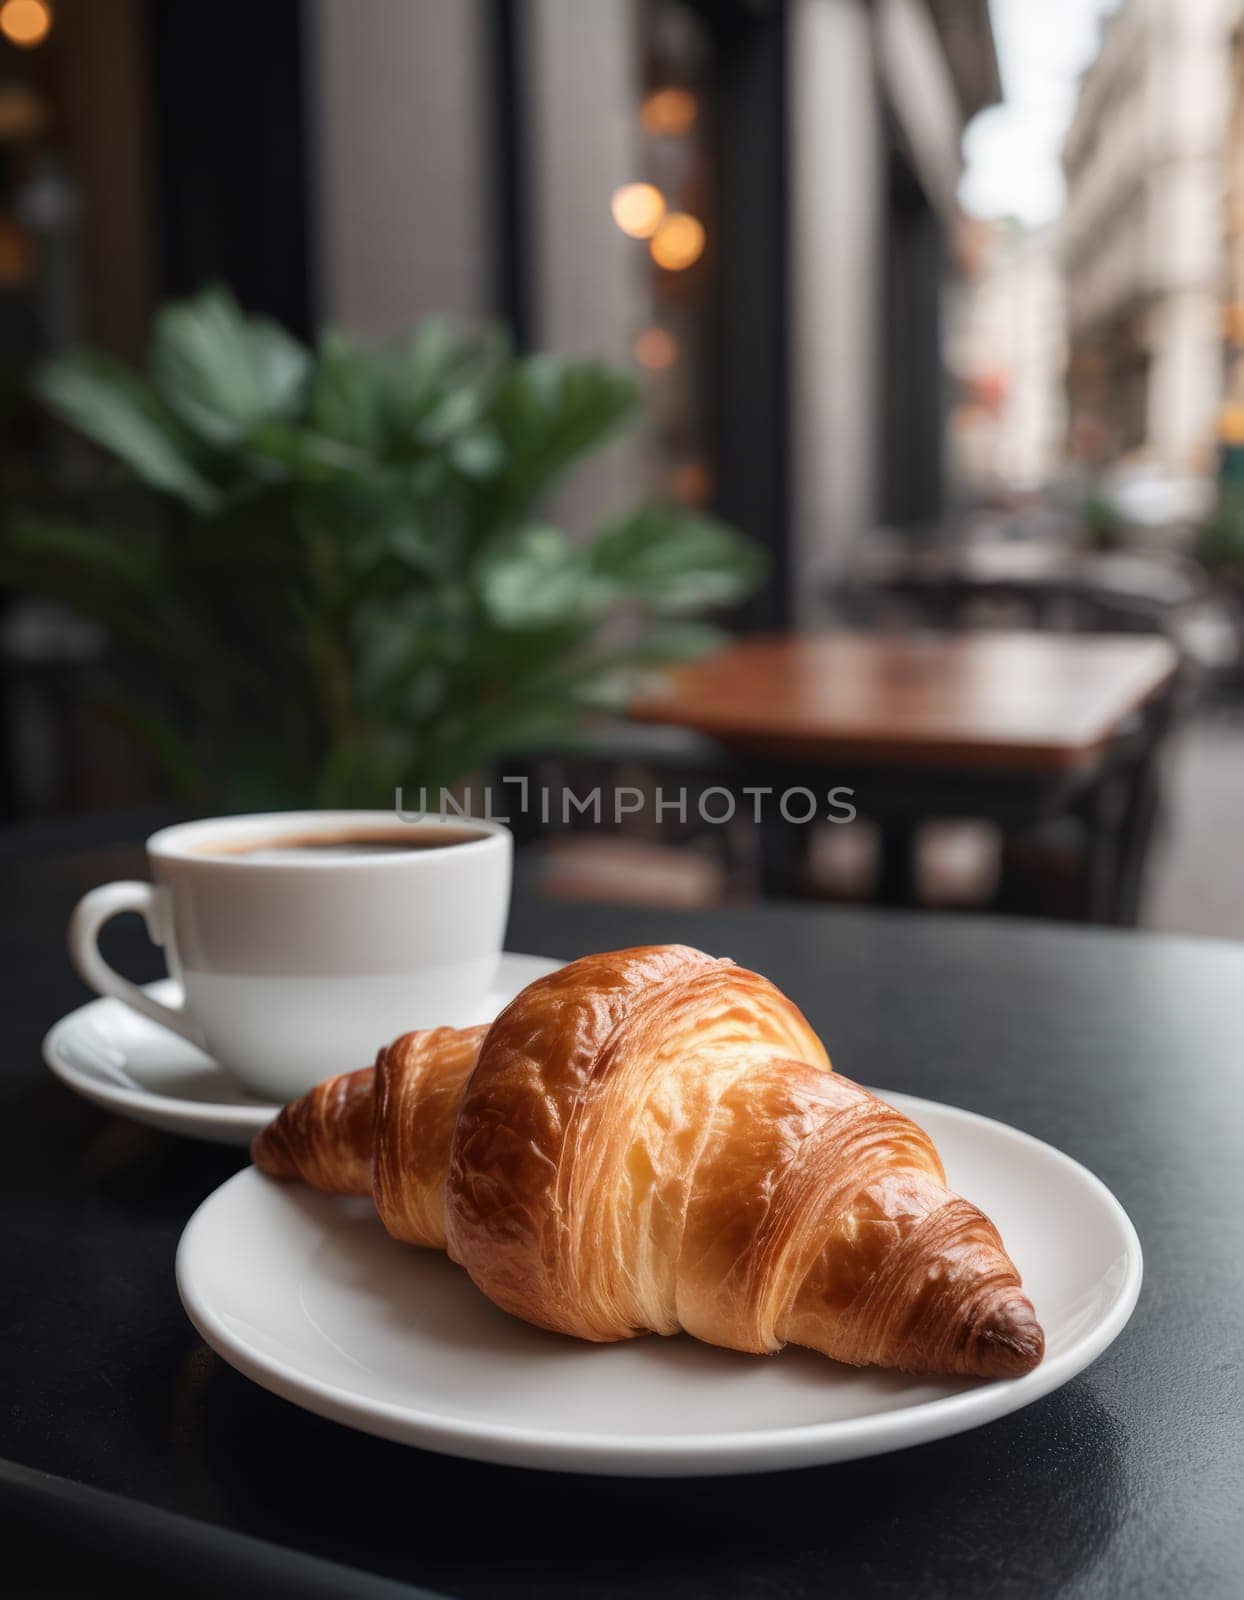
{"x":89,"y":916}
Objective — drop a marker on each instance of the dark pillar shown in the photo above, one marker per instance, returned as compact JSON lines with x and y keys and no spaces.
{"x":231,"y":152}
{"x":752,"y":298}
{"x":914,"y":426}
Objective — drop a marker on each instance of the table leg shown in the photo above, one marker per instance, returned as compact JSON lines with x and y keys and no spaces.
{"x":783,"y":852}
{"x":1135,"y":837}
{"x":1121,"y":817}
{"x":896,"y":878}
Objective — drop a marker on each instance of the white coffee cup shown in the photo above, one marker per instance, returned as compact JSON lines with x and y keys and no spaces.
{"x":299,"y":953}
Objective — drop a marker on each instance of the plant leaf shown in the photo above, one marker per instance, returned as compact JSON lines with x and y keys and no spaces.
{"x":304,"y":454}
{"x":548,"y":413}
{"x":441,"y":384}
{"x":676,"y":561}
{"x":678,"y":641}
{"x":107,"y":554}
{"x":283,"y":366}
{"x":114,"y":407}
{"x":479,"y":454}
{"x":535,"y":577}
{"x":222,"y":374}
{"x":345,"y":397}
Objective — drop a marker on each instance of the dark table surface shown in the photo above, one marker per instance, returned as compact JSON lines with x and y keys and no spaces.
{"x":1124,"y":1050}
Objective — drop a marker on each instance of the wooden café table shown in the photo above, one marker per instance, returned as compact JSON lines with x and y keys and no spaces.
{"x":133,"y":1461}
{"x":1011,"y":726}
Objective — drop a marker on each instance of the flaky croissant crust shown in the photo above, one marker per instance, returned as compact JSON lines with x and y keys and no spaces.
{"x":653,"y":1140}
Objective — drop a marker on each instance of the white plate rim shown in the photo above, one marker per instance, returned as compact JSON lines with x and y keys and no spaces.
{"x":248,"y":1116}
{"x":698,"y":1454}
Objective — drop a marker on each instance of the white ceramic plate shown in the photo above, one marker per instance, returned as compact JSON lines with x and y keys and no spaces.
{"x":121,"y":1061}
{"x":309,"y":1297}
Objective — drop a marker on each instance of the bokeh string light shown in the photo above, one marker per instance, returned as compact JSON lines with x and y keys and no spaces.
{"x":669,"y":112}
{"x":25,"y":23}
{"x":638,"y":209}
{"x":678,"y":241}
{"x":655,"y":349}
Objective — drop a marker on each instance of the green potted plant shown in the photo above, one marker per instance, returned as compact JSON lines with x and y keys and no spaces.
{"x":1102,"y":523}
{"x":1220,"y":539}
{"x":339,"y":579}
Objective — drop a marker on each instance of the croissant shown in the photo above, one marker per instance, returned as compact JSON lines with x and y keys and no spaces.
{"x":653,"y":1140}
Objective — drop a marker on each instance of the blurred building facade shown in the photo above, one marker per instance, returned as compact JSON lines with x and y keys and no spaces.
{"x":1233,"y":320}
{"x":1143,"y":235}
{"x":1007,"y":350}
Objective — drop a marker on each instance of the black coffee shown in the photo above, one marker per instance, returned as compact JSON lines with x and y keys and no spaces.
{"x":349,"y":842}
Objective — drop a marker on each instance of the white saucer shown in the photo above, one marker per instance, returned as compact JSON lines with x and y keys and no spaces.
{"x":323,"y":1308}
{"x":121,"y":1061}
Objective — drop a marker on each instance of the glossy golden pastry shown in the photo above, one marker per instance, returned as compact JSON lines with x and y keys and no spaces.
{"x":653,"y":1140}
